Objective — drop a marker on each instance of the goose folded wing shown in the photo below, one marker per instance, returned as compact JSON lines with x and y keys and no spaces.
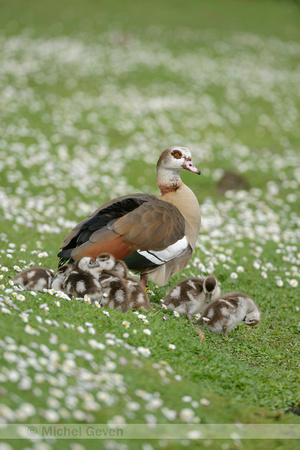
{"x":155,"y":226}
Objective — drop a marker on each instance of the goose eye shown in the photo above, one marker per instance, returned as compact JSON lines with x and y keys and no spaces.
{"x":177,"y":154}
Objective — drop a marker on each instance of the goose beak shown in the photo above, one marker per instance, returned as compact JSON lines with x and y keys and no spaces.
{"x":188,"y":165}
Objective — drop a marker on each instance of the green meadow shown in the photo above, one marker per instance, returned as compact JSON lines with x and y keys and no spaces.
{"x":91,"y":94}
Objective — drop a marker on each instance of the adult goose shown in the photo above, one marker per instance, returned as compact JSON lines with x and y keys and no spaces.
{"x":153,"y":235}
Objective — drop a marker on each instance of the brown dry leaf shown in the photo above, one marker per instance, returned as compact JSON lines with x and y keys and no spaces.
{"x":201,"y":334}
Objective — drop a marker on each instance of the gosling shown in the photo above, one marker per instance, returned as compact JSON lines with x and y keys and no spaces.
{"x":115,"y":292}
{"x":59,"y":281}
{"x":81,"y":282}
{"x":137,"y":296}
{"x":189,"y":296}
{"x":35,"y":278}
{"x":225,"y":313}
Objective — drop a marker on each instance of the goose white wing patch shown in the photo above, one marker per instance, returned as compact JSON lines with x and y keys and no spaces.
{"x":163,"y":256}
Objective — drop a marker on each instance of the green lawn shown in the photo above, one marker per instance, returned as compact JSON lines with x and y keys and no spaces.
{"x":91,"y":93}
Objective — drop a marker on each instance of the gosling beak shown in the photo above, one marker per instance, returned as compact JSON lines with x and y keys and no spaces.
{"x":207,"y":298}
{"x":94,"y":264}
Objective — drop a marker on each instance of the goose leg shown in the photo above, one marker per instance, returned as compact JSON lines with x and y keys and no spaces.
{"x":225,"y":332}
{"x":143,"y":280}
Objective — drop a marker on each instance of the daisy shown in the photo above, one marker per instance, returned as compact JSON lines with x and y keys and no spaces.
{"x":294,"y":283}
{"x":176,"y":314}
{"x":186,"y":414}
{"x":106,"y":313}
{"x":172,"y":346}
{"x":87,"y":299}
{"x":57,"y":303}
{"x":204,"y":402}
{"x":126,"y":324}
{"x":240,"y":269}
{"x":80,"y":329}
{"x":146,"y":331}
{"x":234,"y":275}
{"x":30,"y":330}
{"x":279,"y":283}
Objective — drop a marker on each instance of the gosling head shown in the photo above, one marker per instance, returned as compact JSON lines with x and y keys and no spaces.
{"x":211,"y":289}
{"x":85,"y":264}
{"x":106,"y":261}
{"x":253,"y":318}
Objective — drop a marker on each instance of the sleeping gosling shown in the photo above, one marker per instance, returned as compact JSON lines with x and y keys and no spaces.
{"x":225,"y":313}
{"x":80,"y":281}
{"x":137,"y":296}
{"x":115,"y":292}
{"x":59,"y":281}
{"x":35,"y":278}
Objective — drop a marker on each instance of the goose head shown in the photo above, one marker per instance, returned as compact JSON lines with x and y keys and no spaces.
{"x":176,"y":158}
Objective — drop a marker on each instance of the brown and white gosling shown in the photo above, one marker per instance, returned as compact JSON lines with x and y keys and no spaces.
{"x":189,"y":296}
{"x":225,"y":313}
{"x":35,"y":278}
{"x":137,"y":296}
{"x":59,"y":281}
{"x":80,"y":281}
{"x":115,"y":292}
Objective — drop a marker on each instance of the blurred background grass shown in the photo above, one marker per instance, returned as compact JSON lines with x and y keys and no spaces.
{"x":266,"y":17}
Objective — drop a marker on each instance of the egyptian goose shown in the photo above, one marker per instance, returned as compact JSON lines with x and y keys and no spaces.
{"x":35,"y":278}
{"x":59,"y":281}
{"x":81,"y":282}
{"x":153,"y":235}
{"x":188,"y":297}
{"x":228,"y":311}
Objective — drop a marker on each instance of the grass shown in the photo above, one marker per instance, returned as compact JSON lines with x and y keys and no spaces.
{"x":91,"y":94}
